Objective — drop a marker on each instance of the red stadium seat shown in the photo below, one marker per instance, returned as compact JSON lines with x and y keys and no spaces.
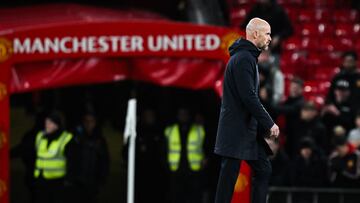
{"x":346,"y":16}
{"x":345,"y":44}
{"x":324,"y":73}
{"x":319,"y":3}
{"x":318,"y":15}
{"x":238,"y":14}
{"x":337,"y":44}
{"x":317,"y":29}
{"x":310,"y":43}
{"x":347,"y":30}
{"x":328,"y":44}
{"x":357,"y":46}
{"x":242,"y":2}
{"x":292,"y":44}
{"x":332,"y":58}
{"x":292,"y":63}
{"x":293,"y":13}
{"x":314,"y":60}
{"x":306,"y":16}
{"x":287,"y":3}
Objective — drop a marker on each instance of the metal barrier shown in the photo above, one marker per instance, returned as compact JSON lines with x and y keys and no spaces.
{"x":315,"y":192}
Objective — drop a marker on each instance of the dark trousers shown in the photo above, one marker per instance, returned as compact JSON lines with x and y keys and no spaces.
{"x":261,"y":172}
{"x":185,"y":188}
{"x":49,"y":191}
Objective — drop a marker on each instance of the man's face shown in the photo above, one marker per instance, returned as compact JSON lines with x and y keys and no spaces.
{"x":357,"y":121}
{"x":306,"y":152}
{"x":183,"y":115}
{"x":89,"y":123}
{"x":263,"y":37}
{"x":341,"y":95}
{"x":308,"y":114}
{"x":295,"y":89}
{"x":349,"y":63}
{"x":50,"y":126}
{"x":342,"y":150}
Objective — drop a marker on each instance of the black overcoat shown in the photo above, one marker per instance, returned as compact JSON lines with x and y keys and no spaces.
{"x":241,"y":110}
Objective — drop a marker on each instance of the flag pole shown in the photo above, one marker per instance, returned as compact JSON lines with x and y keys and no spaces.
{"x":130,"y":136}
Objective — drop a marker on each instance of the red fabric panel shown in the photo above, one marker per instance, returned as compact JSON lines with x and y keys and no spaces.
{"x":4,"y":132}
{"x":60,"y":73}
{"x":187,"y":73}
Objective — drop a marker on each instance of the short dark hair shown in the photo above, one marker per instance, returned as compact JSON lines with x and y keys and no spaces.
{"x":357,"y":114}
{"x":350,"y":53}
{"x":339,"y":141}
{"x":298,"y":81}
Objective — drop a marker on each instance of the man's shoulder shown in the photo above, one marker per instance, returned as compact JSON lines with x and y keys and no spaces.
{"x":243,"y":54}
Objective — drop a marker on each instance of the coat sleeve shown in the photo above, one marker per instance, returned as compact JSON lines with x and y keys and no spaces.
{"x":244,"y":76}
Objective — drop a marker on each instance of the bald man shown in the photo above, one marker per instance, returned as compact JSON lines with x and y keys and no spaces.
{"x":241,"y":115}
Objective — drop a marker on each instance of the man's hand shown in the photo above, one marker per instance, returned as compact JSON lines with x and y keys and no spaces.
{"x":274,"y":131}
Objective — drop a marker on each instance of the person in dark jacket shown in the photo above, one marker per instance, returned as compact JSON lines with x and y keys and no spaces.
{"x":307,"y":125}
{"x":340,"y":112}
{"x":241,"y":111}
{"x":351,"y":75}
{"x":291,"y":108}
{"x":151,"y":165}
{"x":279,"y":162}
{"x":90,"y":166}
{"x":308,"y":167}
{"x":344,"y":164}
{"x":25,"y":151}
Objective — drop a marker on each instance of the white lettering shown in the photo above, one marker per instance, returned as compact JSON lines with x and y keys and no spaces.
{"x":37,"y":46}
{"x":169,"y":43}
{"x":63,"y":47}
{"x":199,"y":43}
{"x":154,"y":46}
{"x":79,"y":44}
{"x":125,"y":44}
{"x":188,"y":40}
{"x":91,"y":44}
{"x":114,"y":43}
{"x":21,"y":47}
{"x":51,"y":45}
{"x":137,"y":43}
{"x":104,"y":46}
{"x":212,"y":42}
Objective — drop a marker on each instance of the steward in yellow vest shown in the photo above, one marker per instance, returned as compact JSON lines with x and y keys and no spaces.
{"x":51,"y":161}
{"x":194,"y":146}
{"x":185,"y":157}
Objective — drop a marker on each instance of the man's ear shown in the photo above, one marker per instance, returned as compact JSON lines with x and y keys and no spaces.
{"x":255,"y":34}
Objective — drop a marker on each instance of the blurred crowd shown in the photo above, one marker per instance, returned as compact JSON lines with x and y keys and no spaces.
{"x":319,"y":145}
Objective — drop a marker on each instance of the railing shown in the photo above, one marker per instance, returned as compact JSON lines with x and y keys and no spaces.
{"x":289,"y":192}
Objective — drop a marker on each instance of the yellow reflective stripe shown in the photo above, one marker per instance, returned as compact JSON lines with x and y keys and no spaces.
{"x":174,"y":146}
{"x":195,"y":147}
{"x":42,"y":164}
{"x":65,"y":141}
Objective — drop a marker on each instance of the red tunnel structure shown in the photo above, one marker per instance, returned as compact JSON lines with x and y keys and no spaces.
{"x":61,"y":45}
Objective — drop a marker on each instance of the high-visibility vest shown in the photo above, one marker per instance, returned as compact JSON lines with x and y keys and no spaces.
{"x":195,"y":141}
{"x":51,"y":160}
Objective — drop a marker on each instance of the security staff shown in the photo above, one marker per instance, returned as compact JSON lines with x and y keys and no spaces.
{"x":185,"y":157}
{"x":51,"y":146}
